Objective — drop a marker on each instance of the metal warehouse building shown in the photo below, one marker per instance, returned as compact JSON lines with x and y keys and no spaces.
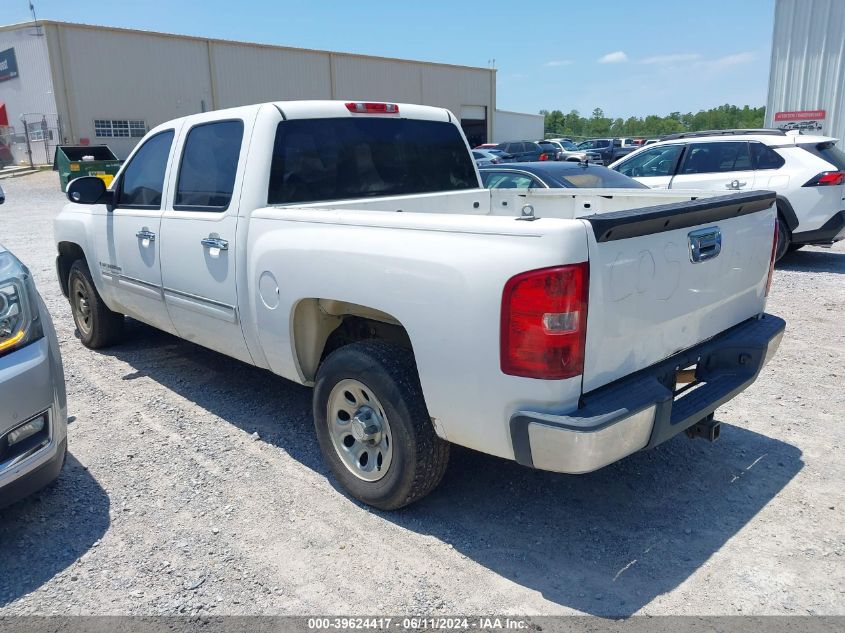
{"x":807,"y":80}
{"x":80,"y":84}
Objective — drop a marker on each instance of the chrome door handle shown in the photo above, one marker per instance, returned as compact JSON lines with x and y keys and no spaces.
{"x":146,"y":235}
{"x":215,"y":242}
{"x":736,"y":184}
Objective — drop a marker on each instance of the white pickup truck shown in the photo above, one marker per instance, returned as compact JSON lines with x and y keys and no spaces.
{"x":350,"y":247}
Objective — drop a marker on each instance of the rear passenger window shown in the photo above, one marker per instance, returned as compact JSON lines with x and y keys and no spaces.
{"x":710,"y":158}
{"x":764,"y":157}
{"x":208,"y":168}
{"x":143,"y":178}
{"x":659,"y":161}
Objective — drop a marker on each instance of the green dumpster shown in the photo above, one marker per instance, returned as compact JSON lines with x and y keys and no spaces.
{"x":73,"y":161}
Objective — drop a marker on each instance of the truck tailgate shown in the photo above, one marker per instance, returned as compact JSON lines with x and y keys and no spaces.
{"x":665,"y":278}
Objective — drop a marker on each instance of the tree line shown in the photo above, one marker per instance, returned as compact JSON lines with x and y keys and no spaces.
{"x":722,"y":117}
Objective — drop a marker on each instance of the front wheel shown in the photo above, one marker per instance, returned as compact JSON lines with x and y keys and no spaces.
{"x":97,"y":325}
{"x":373,"y":427}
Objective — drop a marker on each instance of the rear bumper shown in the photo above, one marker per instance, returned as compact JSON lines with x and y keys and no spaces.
{"x":640,"y":410}
{"x":831,"y":231}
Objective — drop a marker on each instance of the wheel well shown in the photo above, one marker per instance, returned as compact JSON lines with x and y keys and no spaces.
{"x":320,"y":326}
{"x":68,"y":253}
{"x":786,"y":211}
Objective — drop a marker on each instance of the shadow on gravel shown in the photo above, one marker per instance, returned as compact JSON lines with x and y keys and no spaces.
{"x":609,"y":542}
{"x":605,"y":543}
{"x":43,"y":534}
{"x":813,"y":261}
{"x":251,"y":399}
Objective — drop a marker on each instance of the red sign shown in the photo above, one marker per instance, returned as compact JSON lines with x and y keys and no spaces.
{"x":812,"y":115}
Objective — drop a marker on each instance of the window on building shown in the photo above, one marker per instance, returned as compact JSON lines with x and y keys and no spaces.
{"x":102,"y":128}
{"x":119,"y":128}
{"x":209,"y":165}
{"x":137,"y":129}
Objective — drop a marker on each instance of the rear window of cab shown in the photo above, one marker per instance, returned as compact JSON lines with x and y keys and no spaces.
{"x":333,"y":159}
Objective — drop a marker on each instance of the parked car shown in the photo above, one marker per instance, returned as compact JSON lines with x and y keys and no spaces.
{"x":33,"y":420}
{"x":527,"y":151}
{"x":502,"y":156}
{"x":568,"y":150}
{"x":484,"y":158}
{"x":550,"y":147}
{"x":555,"y":175}
{"x":604,"y":151}
{"x":486,"y":146}
{"x":807,"y":172}
{"x":546,"y":342}
{"x":651,"y":141}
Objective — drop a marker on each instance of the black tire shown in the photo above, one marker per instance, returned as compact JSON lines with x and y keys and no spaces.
{"x":419,"y":456}
{"x":784,"y":238}
{"x":98,"y":327}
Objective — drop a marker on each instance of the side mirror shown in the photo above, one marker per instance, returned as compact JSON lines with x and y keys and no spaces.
{"x":89,"y":190}
{"x":2,"y":196}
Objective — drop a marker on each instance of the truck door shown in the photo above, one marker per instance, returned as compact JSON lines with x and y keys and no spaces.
{"x":723,"y":166}
{"x":129,"y":258}
{"x":199,"y":251}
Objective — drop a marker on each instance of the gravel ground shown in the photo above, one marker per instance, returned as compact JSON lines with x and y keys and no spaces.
{"x":194,"y":486}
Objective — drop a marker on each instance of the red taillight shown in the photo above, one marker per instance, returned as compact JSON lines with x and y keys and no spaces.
{"x":827,"y":179}
{"x":366,"y":107}
{"x":544,"y":157}
{"x":772,"y":259}
{"x":544,"y":322}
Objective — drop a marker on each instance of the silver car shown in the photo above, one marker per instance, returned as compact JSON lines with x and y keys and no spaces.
{"x":33,"y":415}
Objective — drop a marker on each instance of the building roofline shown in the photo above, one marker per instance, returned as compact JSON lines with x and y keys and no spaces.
{"x":519,"y":113}
{"x":214,"y":40}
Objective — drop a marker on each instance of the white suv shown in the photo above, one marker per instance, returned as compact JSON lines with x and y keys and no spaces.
{"x":807,"y":173}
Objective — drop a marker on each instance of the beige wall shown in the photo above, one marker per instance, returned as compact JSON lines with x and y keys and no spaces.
{"x":122,"y":74}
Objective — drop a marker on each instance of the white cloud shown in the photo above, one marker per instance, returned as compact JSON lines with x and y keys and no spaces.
{"x":734,"y":59}
{"x":672,"y":58}
{"x":613,"y":58}
{"x":559,"y":62}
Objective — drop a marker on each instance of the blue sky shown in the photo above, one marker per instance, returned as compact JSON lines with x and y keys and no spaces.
{"x":628,"y":58}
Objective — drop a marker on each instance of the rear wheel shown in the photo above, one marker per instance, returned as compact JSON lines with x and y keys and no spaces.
{"x":97,"y":325}
{"x":373,"y":426}
{"x":784,"y":238}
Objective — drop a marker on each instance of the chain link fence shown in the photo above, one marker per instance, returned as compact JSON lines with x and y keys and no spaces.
{"x":32,"y":141}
